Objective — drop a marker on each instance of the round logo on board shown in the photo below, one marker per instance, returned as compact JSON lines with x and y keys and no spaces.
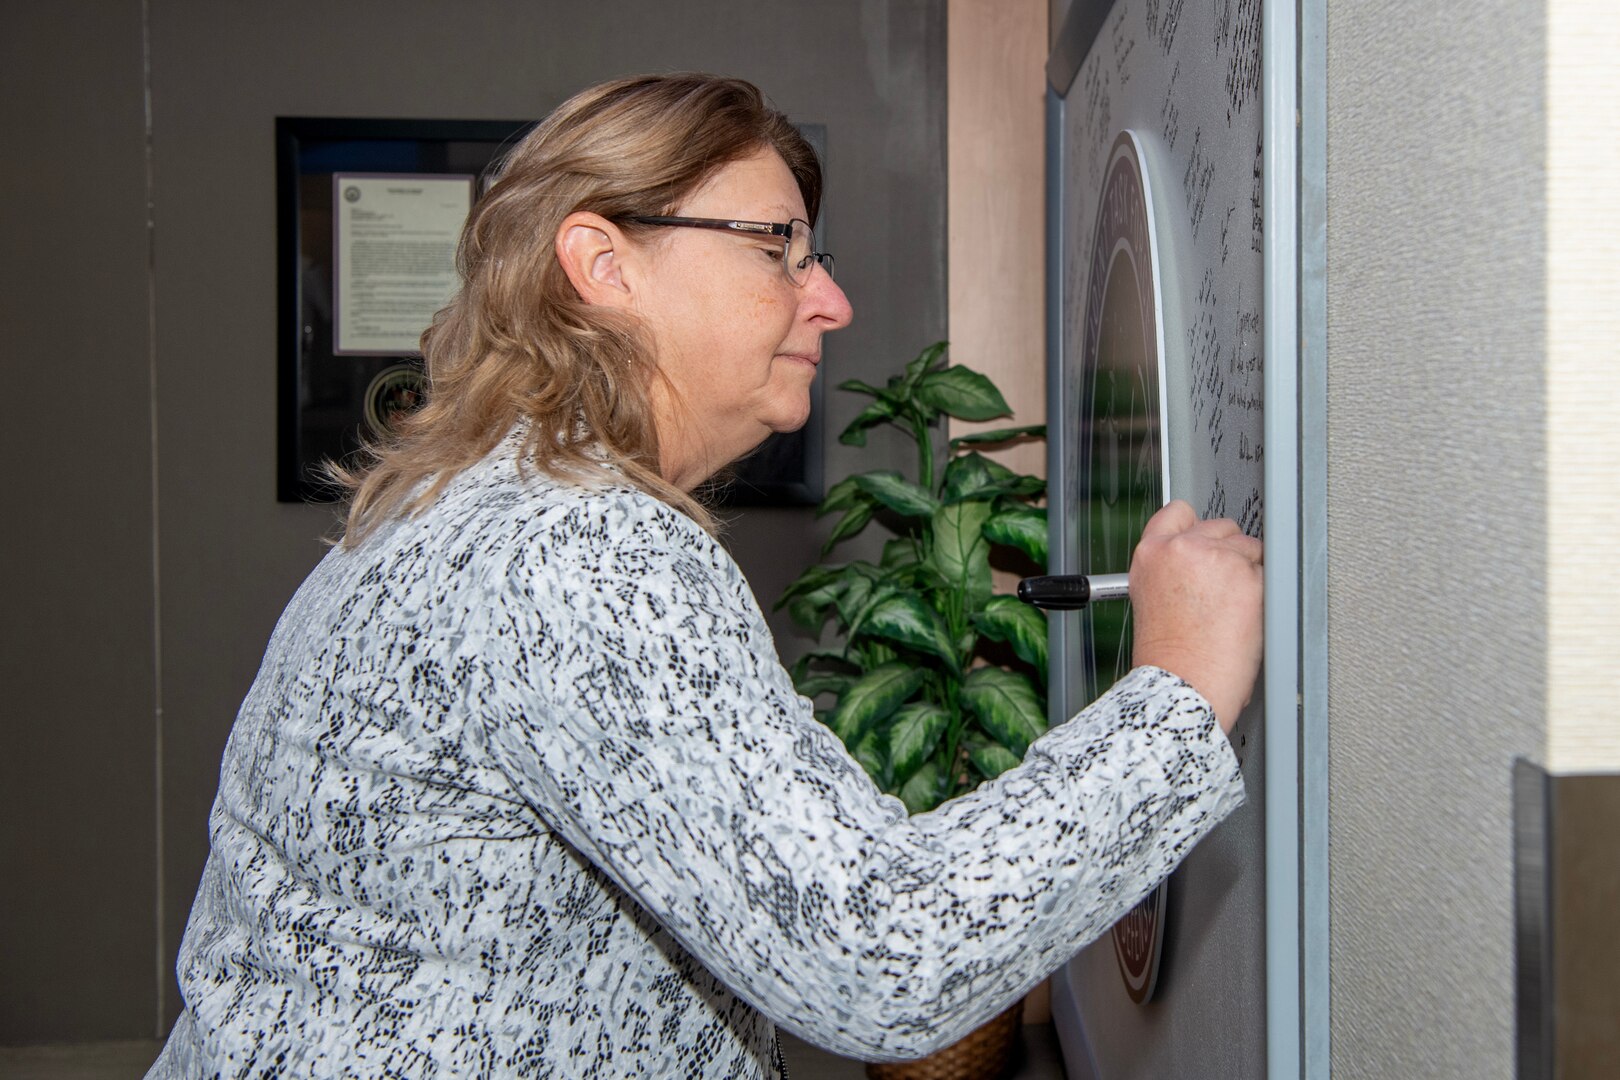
{"x":1121,"y":480}
{"x":394,"y":392}
{"x":1139,"y":943}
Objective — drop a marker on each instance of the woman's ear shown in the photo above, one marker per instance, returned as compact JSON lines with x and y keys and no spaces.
{"x":592,"y":252}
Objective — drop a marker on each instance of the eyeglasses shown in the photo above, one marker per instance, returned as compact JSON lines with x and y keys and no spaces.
{"x":798,"y":241}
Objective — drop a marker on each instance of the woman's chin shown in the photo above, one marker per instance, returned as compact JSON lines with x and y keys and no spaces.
{"x":791,"y":412}
{"x":794,"y":422}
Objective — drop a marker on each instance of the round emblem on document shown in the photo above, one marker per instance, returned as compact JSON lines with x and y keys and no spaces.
{"x":1139,"y":943}
{"x":351,"y":194}
{"x":394,"y":393}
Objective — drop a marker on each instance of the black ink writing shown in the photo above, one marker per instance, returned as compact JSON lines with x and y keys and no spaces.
{"x":1237,"y":36}
{"x":1196,"y":180}
{"x":1257,"y":218}
{"x":1251,"y":517}
{"x":1163,"y":16}
{"x":1123,"y":44}
{"x":1170,"y":114}
{"x":1208,"y":377}
{"x":1216,"y":506}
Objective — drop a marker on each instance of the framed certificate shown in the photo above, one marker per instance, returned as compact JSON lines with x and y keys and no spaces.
{"x":368,"y":216}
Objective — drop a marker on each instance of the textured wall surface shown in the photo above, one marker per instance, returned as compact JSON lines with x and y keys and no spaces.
{"x":1436,"y":519}
{"x":86,"y":879}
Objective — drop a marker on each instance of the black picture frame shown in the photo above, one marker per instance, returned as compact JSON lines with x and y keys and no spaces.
{"x":322,"y":397}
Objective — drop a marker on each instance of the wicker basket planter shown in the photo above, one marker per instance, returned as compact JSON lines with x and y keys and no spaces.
{"x":985,"y":1054}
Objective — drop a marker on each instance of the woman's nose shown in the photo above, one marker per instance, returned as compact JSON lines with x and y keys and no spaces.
{"x":825,"y":302}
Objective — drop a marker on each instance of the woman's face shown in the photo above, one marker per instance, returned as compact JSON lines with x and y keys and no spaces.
{"x":736,"y":341}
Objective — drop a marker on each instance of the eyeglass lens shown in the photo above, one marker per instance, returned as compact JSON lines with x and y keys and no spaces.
{"x":802,"y":256}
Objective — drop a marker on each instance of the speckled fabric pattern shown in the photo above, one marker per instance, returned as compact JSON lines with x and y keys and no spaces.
{"x":522,"y":789}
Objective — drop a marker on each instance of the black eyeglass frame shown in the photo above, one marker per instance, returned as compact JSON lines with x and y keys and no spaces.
{"x":784,"y":229}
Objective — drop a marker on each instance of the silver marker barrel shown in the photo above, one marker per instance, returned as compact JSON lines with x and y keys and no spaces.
{"x":1070,"y":592}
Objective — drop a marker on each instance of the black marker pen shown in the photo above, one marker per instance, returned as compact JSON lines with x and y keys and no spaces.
{"x":1069,"y":592}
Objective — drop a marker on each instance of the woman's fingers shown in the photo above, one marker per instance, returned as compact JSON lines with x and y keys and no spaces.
{"x":1196,"y":589}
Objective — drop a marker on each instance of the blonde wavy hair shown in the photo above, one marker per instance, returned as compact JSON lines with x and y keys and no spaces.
{"x":518,"y":343}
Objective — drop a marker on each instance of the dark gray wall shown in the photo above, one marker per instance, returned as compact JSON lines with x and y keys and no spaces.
{"x":77,"y":828}
{"x":122,"y":680}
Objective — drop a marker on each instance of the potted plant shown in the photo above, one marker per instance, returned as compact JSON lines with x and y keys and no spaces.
{"x":933,"y":682}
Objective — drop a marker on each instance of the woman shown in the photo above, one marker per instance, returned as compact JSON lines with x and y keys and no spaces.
{"x":521,"y":787}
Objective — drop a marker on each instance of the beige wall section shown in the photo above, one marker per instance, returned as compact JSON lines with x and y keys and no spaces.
{"x":1437,"y":465}
{"x":1583,"y":386}
{"x":996,"y":100}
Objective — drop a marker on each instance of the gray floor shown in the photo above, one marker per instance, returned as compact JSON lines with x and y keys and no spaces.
{"x":1041,"y":1060}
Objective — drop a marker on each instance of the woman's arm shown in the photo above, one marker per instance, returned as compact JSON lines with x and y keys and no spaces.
{"x":663,"y":740}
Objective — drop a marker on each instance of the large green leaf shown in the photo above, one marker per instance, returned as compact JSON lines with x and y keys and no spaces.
{"x":835,"y":657}
{"x":989,"y":758}
{"x":971,"y":475}
{"x":880,"y":411}
{"x":872,"y":698}
{"x":850,"y":524}
{"x":1019,"y":625}
{"x":1024,"y":529}
{"x":814,"y":578}
{"x":809,"y":612}
{"x":841,"y":496}
{"x":1007,"y":707}
{"x":924,"y":362}
{"x":860,"y":387}
{"x":923,"y":791}
{"x":963,"y":393}
{"x":825,"y":682}
{"x":1024,"y":486}
{"x":903,"y":617}
{"x":897,"y":493}
{"x":960,"y":554}
{"x":854,"y":599}
{"x":899,"y":555}
{"x":914,"y":734}
{"x":999,"y":435}
{"x":974,"y":476}
{"x":872,"y":752}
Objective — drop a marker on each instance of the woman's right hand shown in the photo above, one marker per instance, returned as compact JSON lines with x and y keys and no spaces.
{"x":1196,"y":599}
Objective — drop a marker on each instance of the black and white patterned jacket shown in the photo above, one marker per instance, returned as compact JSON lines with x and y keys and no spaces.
{"x":522,"y":789}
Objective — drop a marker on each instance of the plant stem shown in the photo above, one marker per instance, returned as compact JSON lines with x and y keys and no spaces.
{"x":925,"y":452}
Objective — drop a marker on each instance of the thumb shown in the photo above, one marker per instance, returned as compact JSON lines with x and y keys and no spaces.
{"x":1174,"y":517}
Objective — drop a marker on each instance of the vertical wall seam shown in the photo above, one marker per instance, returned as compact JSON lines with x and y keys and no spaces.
{"x":1315,"y":928}
{"x":1279,"y":122}
{"x":160,"y":946}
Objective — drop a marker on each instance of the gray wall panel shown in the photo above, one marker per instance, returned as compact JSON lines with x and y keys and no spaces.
{"x":1436,"y":507}
{"x":77,"y":836}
